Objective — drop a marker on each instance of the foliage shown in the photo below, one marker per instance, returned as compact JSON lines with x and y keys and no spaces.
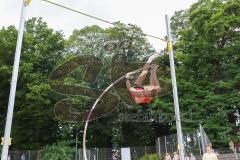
{"x":127,"y":40}
{"x":207,"y":56}
{"x":151,"y":157}
{"x":41,"y":51}
{"x":208,"y":49}
{"x":59,"y":151}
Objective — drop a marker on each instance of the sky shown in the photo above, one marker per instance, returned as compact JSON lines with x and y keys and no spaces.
{"x":147,"y":14}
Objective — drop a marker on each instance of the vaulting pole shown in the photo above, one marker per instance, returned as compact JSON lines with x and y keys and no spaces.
{"x":175,"y":94}
{"x":14,"y":83}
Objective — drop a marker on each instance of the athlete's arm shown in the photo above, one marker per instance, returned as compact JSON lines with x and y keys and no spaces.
{"x":147,"y":92}
{"x":156,"y":90}
{"x":151,"y":91}
{"x":128,"y":83}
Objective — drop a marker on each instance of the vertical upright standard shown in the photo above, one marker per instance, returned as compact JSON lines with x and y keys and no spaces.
{"x":175,"y":94}
{"x":76,"y":154}
{"x":203,"y":139}
{"x":11,"y":101}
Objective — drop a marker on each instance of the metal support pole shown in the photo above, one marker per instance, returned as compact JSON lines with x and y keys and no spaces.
{"x":89,"y":154}
{"x":29,"y":154}
{"x":175,"y":94}
{"x":97,"y":153}
{"x":79,"y":154}
{"x":202,"y":139}
{"x":13,"y":84}
{"x":159,"y":147}
{"x":76,"y":145}
{"x":236,"y":154}
{"x":165,"y":139}
{"x":199,"y":143}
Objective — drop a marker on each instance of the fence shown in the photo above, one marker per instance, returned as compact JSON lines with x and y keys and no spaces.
{"x":135,"y":153}
{"x":166,"y":144}
{"x":115,"y":154}
{"x":193,"y":142}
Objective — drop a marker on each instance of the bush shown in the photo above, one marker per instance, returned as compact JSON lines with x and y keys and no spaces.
{"x":60,"y":151}
{"x":151,"y":157}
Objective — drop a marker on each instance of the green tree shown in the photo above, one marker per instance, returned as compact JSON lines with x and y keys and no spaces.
{"x":33,"y":117}
{"x":208,"y":49}
{"x":59,"y":151}
{"x":127,"y":41}
{"x":151,"y":157}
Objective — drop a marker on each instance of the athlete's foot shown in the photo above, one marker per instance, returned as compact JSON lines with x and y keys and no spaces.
{"x":127,"y":76}
{"x":146,"y":66}
{"x":154,"y":67}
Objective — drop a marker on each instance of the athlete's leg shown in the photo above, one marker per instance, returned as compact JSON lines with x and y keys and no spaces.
{"x":153,"y":77}
{"x":143,"y":75}
{"x":152,"y":80}
{"x":154,"y":87}
{"x":154,"y":83}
